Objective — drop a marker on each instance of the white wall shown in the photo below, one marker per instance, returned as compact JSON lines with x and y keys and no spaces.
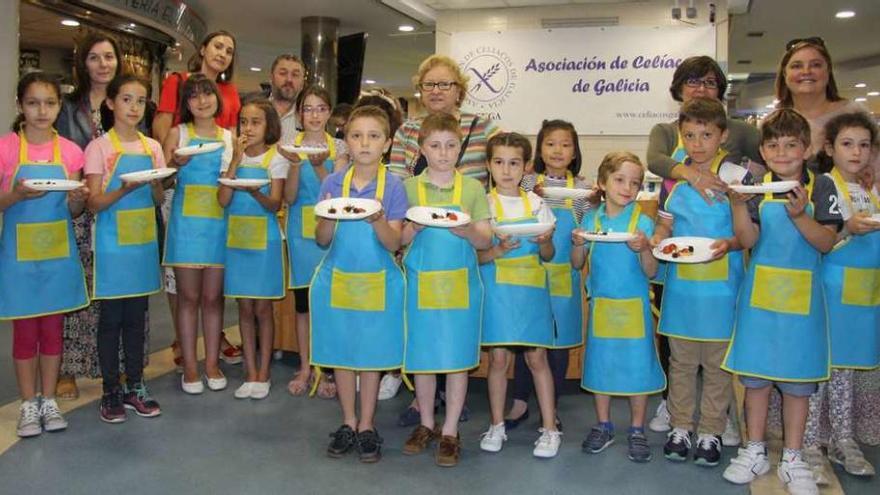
{"x":648,"y":14}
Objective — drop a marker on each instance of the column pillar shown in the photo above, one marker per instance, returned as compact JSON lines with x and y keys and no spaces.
{"x":319,"y":47}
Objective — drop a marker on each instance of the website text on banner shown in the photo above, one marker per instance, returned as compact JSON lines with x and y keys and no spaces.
{"x":612,"y":80}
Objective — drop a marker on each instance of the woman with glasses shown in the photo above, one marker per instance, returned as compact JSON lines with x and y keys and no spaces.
{"x":441,"y":87}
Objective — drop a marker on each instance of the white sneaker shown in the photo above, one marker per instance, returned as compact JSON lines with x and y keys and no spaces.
{"x":389,"y":386}
{"x":29,"y":424}
{"x":816,"y":460}
{"x":660,"y":421}
{"x":797,"y":477}
{"x":51,"y":416}
{"x":547,"y":445}
{"x":730,"y":437}
{"x":244,"y":391}
{"x":748,"y":464}
{"x":260,"y":390}
{"x":493,"y":439}
{"x":192,"y":388}
{"x":216,"y":384}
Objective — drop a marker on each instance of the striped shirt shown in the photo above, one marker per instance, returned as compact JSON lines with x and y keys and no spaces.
{"x":405,"y":150}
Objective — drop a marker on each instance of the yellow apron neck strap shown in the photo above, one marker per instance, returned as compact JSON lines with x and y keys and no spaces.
{"x":328,"y":139}
{"x":191,"y":131}
{"x":633,"y":218}
{"x":843,"y":187}
{"x":117,"y":144}
{"x":499,"y":208}
{"x":458,"y":179}
{"x":380,"y":182}
{"x":569,"y":183}
{"x":768,"y":177}
{"x":23,"y":148}
{"x":717,"y":161}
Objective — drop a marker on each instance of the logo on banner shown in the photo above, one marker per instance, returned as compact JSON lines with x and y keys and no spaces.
{"x":492,"y":77}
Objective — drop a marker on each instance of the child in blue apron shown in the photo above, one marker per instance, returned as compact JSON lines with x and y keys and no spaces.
{"x":41,"y":276}
{"x":196,"y":233}
{"x":444,"y":294}
{"x":852,"y":294}
{"x":620,"y":357}
{"x":517,"y":311}
{"x":357,"y":292}
{"x":780,"y":335}
{"x":301,"y":194}
{"x":557,"y":164}
{"x":699,"y":300}
{"x":254,"y":273}
{"x":126,"y":267}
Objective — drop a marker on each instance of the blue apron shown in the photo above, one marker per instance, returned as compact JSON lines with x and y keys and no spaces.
{"x":565,"y":281}
{"x":851,"y":278}
{"x":780,"y":331}
{"x":196,"y":232}
{"x":444,"y":298}
{"x":699,"y":300}
{"x":254,"y":249}
{"x":517,"y":305}
{"x":41,"y":273}
{"x":357,"y":298}
{"x":620,"y":356}
{"x":126,"y":246}
{"x":302,"y":250}
{"x":679,"y":154}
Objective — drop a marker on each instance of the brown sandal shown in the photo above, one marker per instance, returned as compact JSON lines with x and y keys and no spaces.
{"x":66,"y":388}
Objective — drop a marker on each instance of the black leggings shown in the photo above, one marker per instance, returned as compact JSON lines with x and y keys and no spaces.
{"x":125,"y":318}
{"x":524,"y":384}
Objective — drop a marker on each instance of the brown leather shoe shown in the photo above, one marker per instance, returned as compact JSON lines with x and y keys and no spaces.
{"x":448,"y":451}
{"x":419,"y":440}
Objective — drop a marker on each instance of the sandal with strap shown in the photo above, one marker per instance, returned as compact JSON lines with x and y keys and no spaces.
{"x":297,"y":387}
{"x":327,"y":387}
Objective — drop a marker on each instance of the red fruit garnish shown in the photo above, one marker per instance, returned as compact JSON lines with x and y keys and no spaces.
{"x":452,"y":216}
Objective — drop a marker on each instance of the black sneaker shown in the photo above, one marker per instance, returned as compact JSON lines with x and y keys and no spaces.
{"x":678,"y":445}
{"x":112,"y":410}
{"x":369,"y":445}
{"x":708,"y":452}
{"x":344,"y":439}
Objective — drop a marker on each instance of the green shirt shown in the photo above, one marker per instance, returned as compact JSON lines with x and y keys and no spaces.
{"x":473,"y":195}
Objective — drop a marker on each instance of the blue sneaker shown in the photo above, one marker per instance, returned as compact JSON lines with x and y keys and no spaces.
{"x":639,"y":450}
{"x":598,"y":439}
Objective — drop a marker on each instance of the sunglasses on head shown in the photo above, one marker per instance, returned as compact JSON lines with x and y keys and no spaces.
{"x":814,"y":40}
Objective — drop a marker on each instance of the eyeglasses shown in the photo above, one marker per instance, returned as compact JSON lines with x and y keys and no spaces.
{"x":441,"y":85}
{"x":813,"y":40}
{"x":695,"y":82}
{"x":320,"y":109}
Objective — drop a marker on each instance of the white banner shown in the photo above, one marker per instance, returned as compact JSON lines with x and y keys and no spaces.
{"x":610,"y":80}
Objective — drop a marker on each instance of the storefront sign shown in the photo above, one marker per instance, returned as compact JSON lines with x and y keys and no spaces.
{"x":612,"y":80}
{"x":170,"y":13}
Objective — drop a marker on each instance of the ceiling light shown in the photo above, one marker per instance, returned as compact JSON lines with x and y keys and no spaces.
{"x":770,"y":105}
{"x":406,"y":28}
{"x":132,"y":25}
{"x":369,"y":81}
{"x":861,"y":85}
{"x":845,"y":14}
{"x":70,"y":23}
{"x":861,"y":99}
{"x":255,"y":69}
{"x":873,"y":93}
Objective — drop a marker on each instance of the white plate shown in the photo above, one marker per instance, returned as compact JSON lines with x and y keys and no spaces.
{"x":702,"y":253}
{"x":564,"y":193}
{"x":198,"y":149}
{"x":334,"y":208}
{"x":243,"y":182}
{"x":875,"y":217}
{"x":769,"y":187}
{"x":148,"y":175}
{"x":607,"y":236}
{"x":523,"y":229}
{"x":308,"y":150}
{"x":53,"y":184}
{"x":427,"y":215}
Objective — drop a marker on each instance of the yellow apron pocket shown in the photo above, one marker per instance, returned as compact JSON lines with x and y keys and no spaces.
{"x":42,"y":241}
{"x":201,"y":201}
{"x":560,"y":279}
{"x":135,"y":227}
{"x":714,"y":271}
{"x":309,"y":222}
{"x":357,"y":291}
{"x":861,"y":286}
{"x":523,"y":270}
{"x":247,"y":232}
{"x":444,"y":289}
{"x":782,"y":290}
{"x":618,"y":318}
